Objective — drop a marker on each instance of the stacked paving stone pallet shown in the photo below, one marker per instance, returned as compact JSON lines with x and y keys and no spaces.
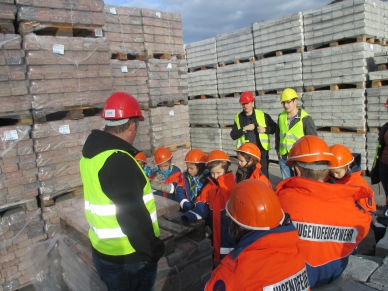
{"x":381,"y":60}
{"x":206,"y":139}
{"x":371,"y":146}
{"x":202,"y":83}
{"x":235,"y":78}
{"x":202,"y":54}
{"x":7,"y":16}
{"x":204,"y":111}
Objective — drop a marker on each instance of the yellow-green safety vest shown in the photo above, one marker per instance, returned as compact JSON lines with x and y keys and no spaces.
{"x":264,"y":137}
{"x":105,"y":232}
{"x":378,"y":147}
{"x":287,"y":137}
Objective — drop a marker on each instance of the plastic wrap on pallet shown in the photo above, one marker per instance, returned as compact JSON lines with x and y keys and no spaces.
{"x":123,"y":28}
{"x":354,"y":141}
{"x":345,"y":64}
{"x":203,"y":111}
{"x":131,"y":77}
{"x":202,"y":83}
{"x":167,"y":80}
{"x":278,"y":73}
{"x":58,"y":147}
{"x":18,"y":164}
{"x":343,"y":108}
{"x":202,"y":53}
{"x":19,"y":228}
{"x":236,"y":45}
{"x":227,"y":109}
{"x":67,"y":72}
{"x":236,"y":78}
{"x":375,"y":110}
{"x":206,"y":139}
{"x":278,"y":34}
{"x":162,"y":32}
{"x":371,"y":146}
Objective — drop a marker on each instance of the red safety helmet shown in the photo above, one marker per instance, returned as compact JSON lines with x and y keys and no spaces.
{"x":195,"y":156}
{"x":342,"y":156}
{"x":246,"y":97}
{"x":386,"y":103}
{"x":254,"y":205}
{"x":162,"y":155}
{"x":121,"y":105}
{"x":217,"y":155}
{"x":250,"y":149}
{"x":141,"y":157}
{"x":309,"y":149}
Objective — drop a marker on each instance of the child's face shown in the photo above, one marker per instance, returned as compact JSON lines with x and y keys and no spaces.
{"x":165,"y":166}
{"x":242,"y":162}
{"x":217,"y":172}
{"x":338,"y":173}
{"x":141,"y":163}
{"x":192,"y":169}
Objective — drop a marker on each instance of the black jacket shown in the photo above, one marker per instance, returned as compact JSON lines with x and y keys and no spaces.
{"x":374,"y":175}
{"x":123,"y":182}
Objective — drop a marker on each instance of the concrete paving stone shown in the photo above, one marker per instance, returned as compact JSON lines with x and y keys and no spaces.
{"x":379,"y":277}
{"x":344,"y":284}
{"x":359,"y":269}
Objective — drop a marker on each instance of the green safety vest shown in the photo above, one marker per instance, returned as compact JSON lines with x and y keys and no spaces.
{"x":263,"y":137}
{"x":376,"y":154}
{"x":287,"y":137}
{"x":105,"y":232}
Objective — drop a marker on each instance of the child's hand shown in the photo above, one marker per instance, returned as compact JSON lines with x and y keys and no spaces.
{"x":159,"y":177}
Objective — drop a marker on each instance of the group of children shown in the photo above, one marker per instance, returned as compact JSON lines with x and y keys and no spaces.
{"x":204,"y":188}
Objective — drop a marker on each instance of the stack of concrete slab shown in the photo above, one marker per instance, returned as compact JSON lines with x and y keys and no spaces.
{"x":37,"y":15}
{"x":162,"y":32}
{"x":167,"y":80}
{"x":228,"y":144}
{"x":235,"y":46}
{"x":280,"y":34}
{"x":131,"y":77}
{"x":346,"y":19}
{"x":280,"y":72}
{"x":343,"y":108}
{"x":142,"y":141}
{"x":375,"y":110}
{"x":381,"y":60}
{"x":67,"y":71}
{"x":7,"y":16}
{"x":202,"y":83}
{"x":355,"y":142}
{"x":206,"y":139}
{"x":123,"y":27}
{"x":227,"y":109}
{"x":235,"y":79}
{"x":179,"y":158}
{"x":19,"y":228}
{"x":203,"y":111}
{"x":18,"y":165}
{"x":371,"y":146}
{"x":14,"y":93}
{"x":345,"y":64}
{"x":202,"y":54}
{"x":271,"y":104}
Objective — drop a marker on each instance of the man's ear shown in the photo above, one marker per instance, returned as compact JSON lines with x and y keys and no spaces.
{"x":132,"y":126}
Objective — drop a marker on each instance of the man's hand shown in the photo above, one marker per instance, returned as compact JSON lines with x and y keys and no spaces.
{"x":249,"y":127}
{"x":261,"y":129}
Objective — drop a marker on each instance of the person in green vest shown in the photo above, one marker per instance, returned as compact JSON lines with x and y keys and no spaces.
{"x":119,"y":204}
{"x":293,"y":123}
{"x":254,"y":126}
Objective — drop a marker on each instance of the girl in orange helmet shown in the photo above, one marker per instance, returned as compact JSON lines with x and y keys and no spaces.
{"x":142,"y":160}
{"x":194,"y":178}
{"x":249,"y":166}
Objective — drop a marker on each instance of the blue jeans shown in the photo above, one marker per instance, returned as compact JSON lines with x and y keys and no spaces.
{"x":383,"y":173}
{"x":286,"y":171}
{"x":126,"y":277}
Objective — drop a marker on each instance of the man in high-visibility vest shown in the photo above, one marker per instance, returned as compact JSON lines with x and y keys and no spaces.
{"x":293,"y":123}
{"x":254,"y":126}
{"x":119,"y":203}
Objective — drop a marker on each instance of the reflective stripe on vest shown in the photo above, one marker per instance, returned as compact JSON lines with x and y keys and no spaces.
{"x":263,"y":137}
{"x":376,"y":154}
{"x":105,"y":232}
{"x":287,"y":137}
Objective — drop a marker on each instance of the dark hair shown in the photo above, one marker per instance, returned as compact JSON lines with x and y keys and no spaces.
{"x":249,"y":158}
{"x":121,"y":128}
{"x":317,"y":175}
{"x":236,"y":231}
{"x":213,"y":164}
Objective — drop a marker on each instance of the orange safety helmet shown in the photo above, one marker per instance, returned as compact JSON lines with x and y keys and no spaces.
{"x":250,"y":149}
{"x":254,"y":205}
{"x":246,"y":97}
{"x":342,"y":156}
{"x":386,"y":103}
{"x":309,"y":149}
{"x":121,"y":105}
{"x":162,"y":155}
{"x":217,"y":155}
{"x":141,"y":157}
{"x":195,"y":156}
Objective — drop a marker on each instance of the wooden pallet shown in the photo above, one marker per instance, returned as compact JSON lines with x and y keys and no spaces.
{"x":204,"y":97}
{"x":128,"y":57}
{"x":379,"y":83}
{"x":203,"y":68}
{"x":49,"y":199}
{"x":335,"y":87}
{"x":225,"y":126}
{"x":27,"y":203}
{"x":374,"y":130}
{"x":69,"y":113}
{"x":205,"y":125}
{"x":343,"y":129}
{"x":174,"y":147}
{"x":240,"y":61}
{"x":278,"y":91}
{"x":349,"y":40}
{"x":382,"y":67}
{"x":54,"y":29}
{"x":170,"y":103}
{"x":163,"y":56}
{"x":281,"y":53}
{"x":16,"y":118}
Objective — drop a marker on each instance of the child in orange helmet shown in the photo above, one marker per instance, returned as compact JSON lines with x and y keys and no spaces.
{"x":341,"y":173}
{"x":142,"y":160}
{"x":194,"y":178}
{"x":166,"y":178}
{"x":249,"y":166}
{"x":211,"y":203}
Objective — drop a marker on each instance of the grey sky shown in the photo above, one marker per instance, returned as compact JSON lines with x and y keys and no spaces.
{"x":202,"y":19}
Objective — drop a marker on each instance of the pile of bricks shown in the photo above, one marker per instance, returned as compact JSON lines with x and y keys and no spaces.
{"x":20,"y":228}
{"x":142,"y":141}
{"x":207,"y":139}
{"x":375,"y":109}
{"x":227,"y":144}
{"x":202,"y":54}
{"x":7,"y":16}
{"x":203,"y":111}
{"x":227,"y":108}
{"x":202,"y":83}
{"x":235,"y":78}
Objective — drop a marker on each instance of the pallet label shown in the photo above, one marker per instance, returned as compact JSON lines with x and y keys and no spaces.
{"x":110,"y":113}
{"x":112,"y":10}
{"x":124,"y":69}
{"x":171,"y":113}
{"x":98,"y":32}
{"x":59,"y":49}
{"x":11,"y":135}
{"x":64,"y":129}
